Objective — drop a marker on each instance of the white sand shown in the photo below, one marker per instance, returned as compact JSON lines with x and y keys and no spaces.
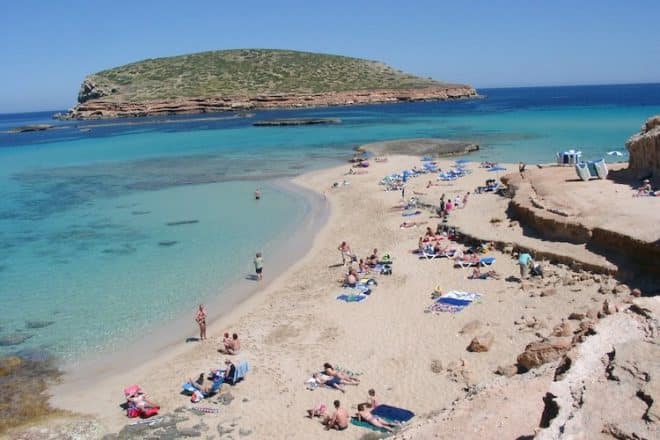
{"x":293,"y":326}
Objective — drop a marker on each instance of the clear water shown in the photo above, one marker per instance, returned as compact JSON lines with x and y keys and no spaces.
{"x":84,"y":240}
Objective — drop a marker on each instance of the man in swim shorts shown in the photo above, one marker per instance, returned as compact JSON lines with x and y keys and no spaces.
{"x":338,"y":420}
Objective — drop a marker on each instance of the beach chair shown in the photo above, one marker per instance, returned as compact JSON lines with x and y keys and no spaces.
{"x":238,"y":373}
{"x":189,"y":388}
{"x":465,"y":263}
{"x":486,"y":261}
{"x":428,"y":255}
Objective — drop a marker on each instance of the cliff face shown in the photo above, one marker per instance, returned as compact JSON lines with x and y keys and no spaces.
{"x":95,"y":102}
{"x":644,"y":149}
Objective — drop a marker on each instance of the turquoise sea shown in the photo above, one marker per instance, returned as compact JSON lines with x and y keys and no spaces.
{"x":110,"y":229}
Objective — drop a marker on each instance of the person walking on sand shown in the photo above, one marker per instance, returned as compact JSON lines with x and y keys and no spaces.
{"x":259,"y":266}
{"x":521,"y":169}
{"x":200,"y":317}
{"x":346,"y":252}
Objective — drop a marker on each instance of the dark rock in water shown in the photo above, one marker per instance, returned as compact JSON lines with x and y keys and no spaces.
{"x":124,"y":250}
{"x":27,"y":128}
{"x":13,"y":339}
{"x":167,"y":243}
{"x":38,"y":324}
{"x":140,"y":212}
{"x":182,"y":222}
{"x":296,"y":121}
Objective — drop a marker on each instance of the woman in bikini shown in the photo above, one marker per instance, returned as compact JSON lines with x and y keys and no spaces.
{"x":345,"y":379}
{"x":200,"y":318}
{"x":365,"y":414}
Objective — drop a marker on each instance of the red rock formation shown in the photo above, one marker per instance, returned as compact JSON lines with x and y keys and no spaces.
{"x":644,"y":149}
{"x":107,"y":108}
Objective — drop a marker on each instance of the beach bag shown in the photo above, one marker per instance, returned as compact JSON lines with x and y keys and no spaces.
{"x":132,"y":412}
{"x":197,"y":396}
{"x":149,"y":412}
{"x":386,"y":270}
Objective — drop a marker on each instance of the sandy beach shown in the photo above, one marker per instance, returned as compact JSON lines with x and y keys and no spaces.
{"x":413,"y":359}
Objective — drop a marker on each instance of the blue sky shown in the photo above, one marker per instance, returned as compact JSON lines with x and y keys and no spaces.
{"x":47,"y":48}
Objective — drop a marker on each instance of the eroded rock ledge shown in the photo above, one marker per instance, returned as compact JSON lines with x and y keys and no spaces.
{"x":108,"y":108}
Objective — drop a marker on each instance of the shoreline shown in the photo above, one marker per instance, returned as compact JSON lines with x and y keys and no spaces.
{"x":220,"y":306}
{"x":413,"y":359}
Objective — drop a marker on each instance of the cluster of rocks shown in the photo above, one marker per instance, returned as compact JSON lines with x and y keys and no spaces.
{"x":644,"y":150}
{"x":101,"y":104}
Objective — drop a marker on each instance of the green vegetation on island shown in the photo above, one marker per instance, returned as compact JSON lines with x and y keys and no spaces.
{"x":245,"y":72}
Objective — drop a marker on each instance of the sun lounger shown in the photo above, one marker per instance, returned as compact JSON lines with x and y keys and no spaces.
{"x":428,"y":255}
{"x":486,"y":261}
{"x":240,"y":371}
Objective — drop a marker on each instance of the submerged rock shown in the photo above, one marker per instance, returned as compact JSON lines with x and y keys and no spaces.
{"x":182,"y":222}
{"x":14,"y":339}
{"x":38,"y":324}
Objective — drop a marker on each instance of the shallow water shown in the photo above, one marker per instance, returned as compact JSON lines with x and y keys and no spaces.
{"x":84,"y":234}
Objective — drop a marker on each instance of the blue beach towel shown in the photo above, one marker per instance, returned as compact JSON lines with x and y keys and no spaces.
{"x":392,"y":413}
{"x":409,"y":214}
{"x":351,"y":297}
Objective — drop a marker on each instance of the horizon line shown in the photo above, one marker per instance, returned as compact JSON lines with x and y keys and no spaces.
{"x":2,"y":113}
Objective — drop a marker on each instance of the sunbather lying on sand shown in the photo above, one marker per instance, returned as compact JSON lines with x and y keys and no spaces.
{"x":329,"y":381}
{"x":345,"y":378}
{"x":141,"y":401}
{"x":364,"y":414}
{"x":406,"y":225}
{"x":478,"y":275}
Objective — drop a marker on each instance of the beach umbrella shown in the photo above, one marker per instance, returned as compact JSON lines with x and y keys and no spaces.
{"x":615,"y":153}
{"x":497,"y":169}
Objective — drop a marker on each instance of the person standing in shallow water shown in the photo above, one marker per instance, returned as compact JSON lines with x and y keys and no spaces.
{"x":200,"y":317}
{"x":259,"y":266}
{"x":257,"y":194}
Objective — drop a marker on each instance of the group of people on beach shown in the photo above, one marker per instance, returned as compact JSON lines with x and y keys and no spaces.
{"x":339,"y":418}
{"x":356,"y":267}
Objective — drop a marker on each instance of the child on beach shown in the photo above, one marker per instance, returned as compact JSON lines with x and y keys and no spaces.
{"x":200,"y":318}
{"x":259,"y":266}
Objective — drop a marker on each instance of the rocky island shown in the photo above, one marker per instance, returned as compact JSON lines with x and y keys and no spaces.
{"x":247,"y":79}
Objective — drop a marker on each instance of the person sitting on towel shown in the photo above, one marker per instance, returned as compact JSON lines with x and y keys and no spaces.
{"x":338,"y":420}
{"x":364,"y":414}
{"x":371,"y":399}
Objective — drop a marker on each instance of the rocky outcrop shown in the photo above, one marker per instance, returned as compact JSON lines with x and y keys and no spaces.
{"x":542,"y":352}
{"x":420,"y":147}
{"x":297,"y":121}
{"x":644,"y":150}
{"x":95,"y":102}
